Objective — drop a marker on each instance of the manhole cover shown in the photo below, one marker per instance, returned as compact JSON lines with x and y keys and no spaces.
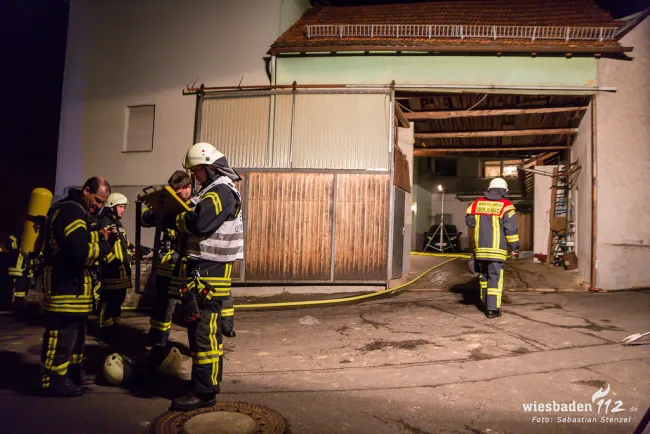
{"x":224,"y":417}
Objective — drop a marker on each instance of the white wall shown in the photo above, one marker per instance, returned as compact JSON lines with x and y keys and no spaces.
{"x":542,"y":208}
{"x":146,"y":51}
{"x":581,"y":195}
{"x":623,"y":139}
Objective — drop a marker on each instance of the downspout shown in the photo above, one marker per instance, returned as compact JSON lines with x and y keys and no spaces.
{"x":594,"y":197}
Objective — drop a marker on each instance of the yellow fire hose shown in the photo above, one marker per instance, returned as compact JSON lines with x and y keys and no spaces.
{"x":343,"y":299}
{"x":453,"y":257}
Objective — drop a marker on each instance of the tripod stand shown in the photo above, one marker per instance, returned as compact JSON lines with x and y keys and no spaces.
{"x":441,"y":232}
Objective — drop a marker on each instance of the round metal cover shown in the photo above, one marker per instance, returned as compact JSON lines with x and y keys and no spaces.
{"x":224,"y":417}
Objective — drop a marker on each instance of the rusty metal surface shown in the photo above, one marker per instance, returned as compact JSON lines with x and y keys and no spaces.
{"x":239,"y":127}
{"x":288,"y":228}
{"x":361,"y":227}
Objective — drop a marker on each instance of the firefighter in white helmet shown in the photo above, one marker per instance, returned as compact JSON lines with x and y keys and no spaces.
{"x":202,"y":276}
{"x":115,"y":268}
{"x":495,"y":229}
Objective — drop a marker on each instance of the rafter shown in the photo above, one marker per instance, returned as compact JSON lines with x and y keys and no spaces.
{"x":502,"y":133}
{"x":434,"y":152}
{"x":448,"y":114}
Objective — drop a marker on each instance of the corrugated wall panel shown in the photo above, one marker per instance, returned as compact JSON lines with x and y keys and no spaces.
{"x":282,"y":131}
{"x":341,"y":131}
{"x":289,"y":226}
{"x":361,"y":227}
{"x":238,"y":127}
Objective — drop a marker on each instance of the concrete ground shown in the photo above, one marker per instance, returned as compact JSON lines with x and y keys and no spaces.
{"x":420,"y":361}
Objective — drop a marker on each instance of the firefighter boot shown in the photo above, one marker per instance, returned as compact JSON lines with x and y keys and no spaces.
{"x":493,"y":313}
{"x":62,"y":387}
{"x":80,"y":377}
{"x":193,"y":401}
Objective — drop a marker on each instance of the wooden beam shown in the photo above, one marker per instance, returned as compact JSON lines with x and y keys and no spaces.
{"x":436,"y":151}
{"x":400,"y":117}
{"x":448,"y":114}
{"x":541,"y":157}
{"x":502,"y":133}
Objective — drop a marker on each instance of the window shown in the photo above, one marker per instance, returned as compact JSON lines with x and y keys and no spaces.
{"x":501,"y":168}
{"x":445,"y":167}
{"x":139,"y":128}
{"x":510,"y":168}
{"x":492,"y":169}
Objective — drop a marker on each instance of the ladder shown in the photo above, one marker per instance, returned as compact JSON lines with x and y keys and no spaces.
{"x":560,"y":238}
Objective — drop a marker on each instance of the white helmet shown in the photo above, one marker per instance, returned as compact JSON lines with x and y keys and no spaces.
{"x":498,"y":183}
{"x":201,"y":153}
{"x":171,"y":365}
{"x":115,"y":199}
{"x":118,"y":369}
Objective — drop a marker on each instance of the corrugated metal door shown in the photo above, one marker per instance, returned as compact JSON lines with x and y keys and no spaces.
{"x":238,"y":127}
{"x":341,"y":131}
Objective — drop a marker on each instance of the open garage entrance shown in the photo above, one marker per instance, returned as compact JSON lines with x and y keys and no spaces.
{"x":463,"y":140}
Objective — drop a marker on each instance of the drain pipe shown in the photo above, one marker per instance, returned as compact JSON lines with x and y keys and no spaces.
{"x":594,"y":196}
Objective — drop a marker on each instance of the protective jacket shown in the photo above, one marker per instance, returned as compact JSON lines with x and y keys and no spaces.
{"x":69,"y":253}
{"x":495,"y":226}
{"x":115,"y":266}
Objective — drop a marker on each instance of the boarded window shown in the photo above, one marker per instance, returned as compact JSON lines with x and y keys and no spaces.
{"x":139,"y":128}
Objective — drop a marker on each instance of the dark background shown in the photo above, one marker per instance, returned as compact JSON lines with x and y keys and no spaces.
{"x":33,"y":35}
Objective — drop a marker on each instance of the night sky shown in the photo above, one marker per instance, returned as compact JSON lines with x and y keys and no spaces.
{"x":32,"y":59}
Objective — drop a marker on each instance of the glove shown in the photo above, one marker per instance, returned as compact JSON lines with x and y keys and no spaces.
{"x":473,"y":266}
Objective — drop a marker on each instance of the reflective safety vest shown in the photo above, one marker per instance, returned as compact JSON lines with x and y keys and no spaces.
{"x":226,"y":244}
{"x":495,"y":227}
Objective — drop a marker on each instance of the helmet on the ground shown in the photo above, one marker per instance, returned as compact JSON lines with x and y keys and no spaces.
{"x":201,"y":153}
{"x":171,"y":365}
{"x":165,"y":360}
{"x":498,"y":183}
{"x":115,"y":199}
{"x":118,"y":369}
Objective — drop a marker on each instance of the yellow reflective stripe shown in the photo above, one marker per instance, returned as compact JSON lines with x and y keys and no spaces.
{"x":510,"y":208}
{"x":477,"y":230}
{"x":495,"y":232}
{"x":511,"y":214}
{"x":159,"y":325}
{"x":228,"y":312}
{"x":77,"y":224}
{"x":214,"y":197}
{"x":110,"y":257}
{"x":61,"y":369}
{"x":94,"y":237}
{"x":181,"y":224}
{"x":93,"y":253}
{"x":512,"y":238}
{"x":63,"y":308}
{"x":202,"y":354}
{"x":53,"y":337}
{"x":76,"y":359}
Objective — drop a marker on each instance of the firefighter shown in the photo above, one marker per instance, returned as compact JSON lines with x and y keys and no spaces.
{"x":115,"y":268}
{"x":69,"y":252}
{"x":495,"y":229}
{"x":161,"y":317}
{"x":202,"y":276}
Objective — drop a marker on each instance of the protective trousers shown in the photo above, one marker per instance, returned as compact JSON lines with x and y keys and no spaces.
{"x":207,"y":349}
{"x":228,"y":315}
{"x":63,"y":346}
{"x":163,"y":309}
{"x":491,"y":283}
{"x":110,"y":305}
